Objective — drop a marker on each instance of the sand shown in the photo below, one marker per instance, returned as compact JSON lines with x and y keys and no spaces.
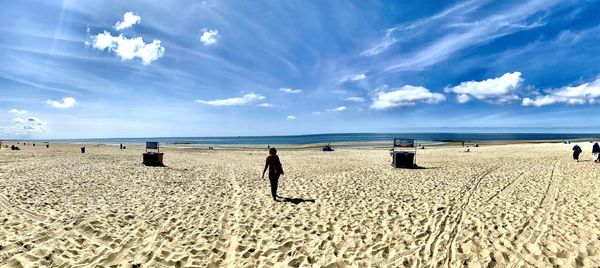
{"x":517,"y":205}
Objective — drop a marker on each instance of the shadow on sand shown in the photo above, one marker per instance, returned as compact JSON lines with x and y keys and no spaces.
{"x":295,"y":201}
{"x":418,"y":167}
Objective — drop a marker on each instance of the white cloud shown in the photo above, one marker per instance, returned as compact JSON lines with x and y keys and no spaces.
{"x":250,"y":97}
{"x":129,"y":48}
{"x":290,"y":90}
{"x":290,"y":117}
{"x":496,"y":90}
{"x":355,"y":99}
{"x":581,"y":94}
{"x":23,"y":127}
{"x":67,"y":102}
{"x":463,"y":98}
{"x":129,"y":19}
{"x":405,"y":96}
{"x":209,"y":37}
{"x":356,"y":77}
{"x":17,"y":111}
{"x":316,"y":113}
{"x":337,"y":109}
{"x":33,"y":123}
{"x":266,"y":105}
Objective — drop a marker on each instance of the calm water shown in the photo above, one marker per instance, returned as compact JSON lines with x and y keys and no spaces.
{"x":347,"y":137}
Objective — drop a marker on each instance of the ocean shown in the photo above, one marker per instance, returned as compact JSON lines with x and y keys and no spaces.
{"x":424,"y":138}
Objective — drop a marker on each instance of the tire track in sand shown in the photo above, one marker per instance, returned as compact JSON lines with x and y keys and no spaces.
{"x":538,"y":224}
{"x":456,"y":222}
{"x":451,"y":219}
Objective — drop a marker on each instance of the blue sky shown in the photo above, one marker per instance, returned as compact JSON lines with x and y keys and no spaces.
{"x":75,"y":69}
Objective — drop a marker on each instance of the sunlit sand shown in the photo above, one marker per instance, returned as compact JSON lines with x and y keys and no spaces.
{"x":495,"y":206}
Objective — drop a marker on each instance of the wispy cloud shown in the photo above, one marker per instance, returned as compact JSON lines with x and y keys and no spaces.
{"x":266,"y":105}
{"x":387,"y":41}
{"x":456,"y":29}
{"x":290,"y":90}
{"x":17,"y":111}
{"x":495,"y":90}
{"x":410,"y":30}
{"x":355,"y":99}
{"x":129,"y":19}
{"x":67,"y":102}
{"x":209,"y":37}
{"x":236,"y":101}
{"x":355,"y":77}
{"x":404,"y":97}
{"x":336,"y":109}
{"x":581,"y":94}
{"x":291,"y":117}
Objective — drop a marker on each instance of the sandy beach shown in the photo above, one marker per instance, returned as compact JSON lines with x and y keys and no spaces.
{"x":516,"y":205}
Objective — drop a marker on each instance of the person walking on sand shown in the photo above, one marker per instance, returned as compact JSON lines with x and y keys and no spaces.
{"x":275,"y":170}
{"x":576,"y":152}
{"x":596,"y":152}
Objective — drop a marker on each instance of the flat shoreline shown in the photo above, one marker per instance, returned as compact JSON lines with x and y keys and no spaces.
{"x":340,"y":145}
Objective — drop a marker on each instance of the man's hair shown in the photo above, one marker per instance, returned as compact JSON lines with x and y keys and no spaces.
{"x":273,"y":151}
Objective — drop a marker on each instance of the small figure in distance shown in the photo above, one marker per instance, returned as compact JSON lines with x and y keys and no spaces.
{"x":576,"y":152}
{"x":121,"y":146}
{"x":596,"y":152}
{"x":275,"y":170}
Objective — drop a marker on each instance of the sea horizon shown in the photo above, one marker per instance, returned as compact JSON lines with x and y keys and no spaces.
{"x":423,"y":137}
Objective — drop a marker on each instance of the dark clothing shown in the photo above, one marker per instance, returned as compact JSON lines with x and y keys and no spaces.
{"x":274,"y":165}
{"x":576,"y":152}
{"x":275,"y":170}
{"x":596,"y":148}
{"x":274,"y":180}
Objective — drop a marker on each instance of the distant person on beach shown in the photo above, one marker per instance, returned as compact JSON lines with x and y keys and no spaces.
{"x":275,"y":170}
{"x":596,"y":152}
{"x":576,"y":152}
{"x":121,"y":146}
